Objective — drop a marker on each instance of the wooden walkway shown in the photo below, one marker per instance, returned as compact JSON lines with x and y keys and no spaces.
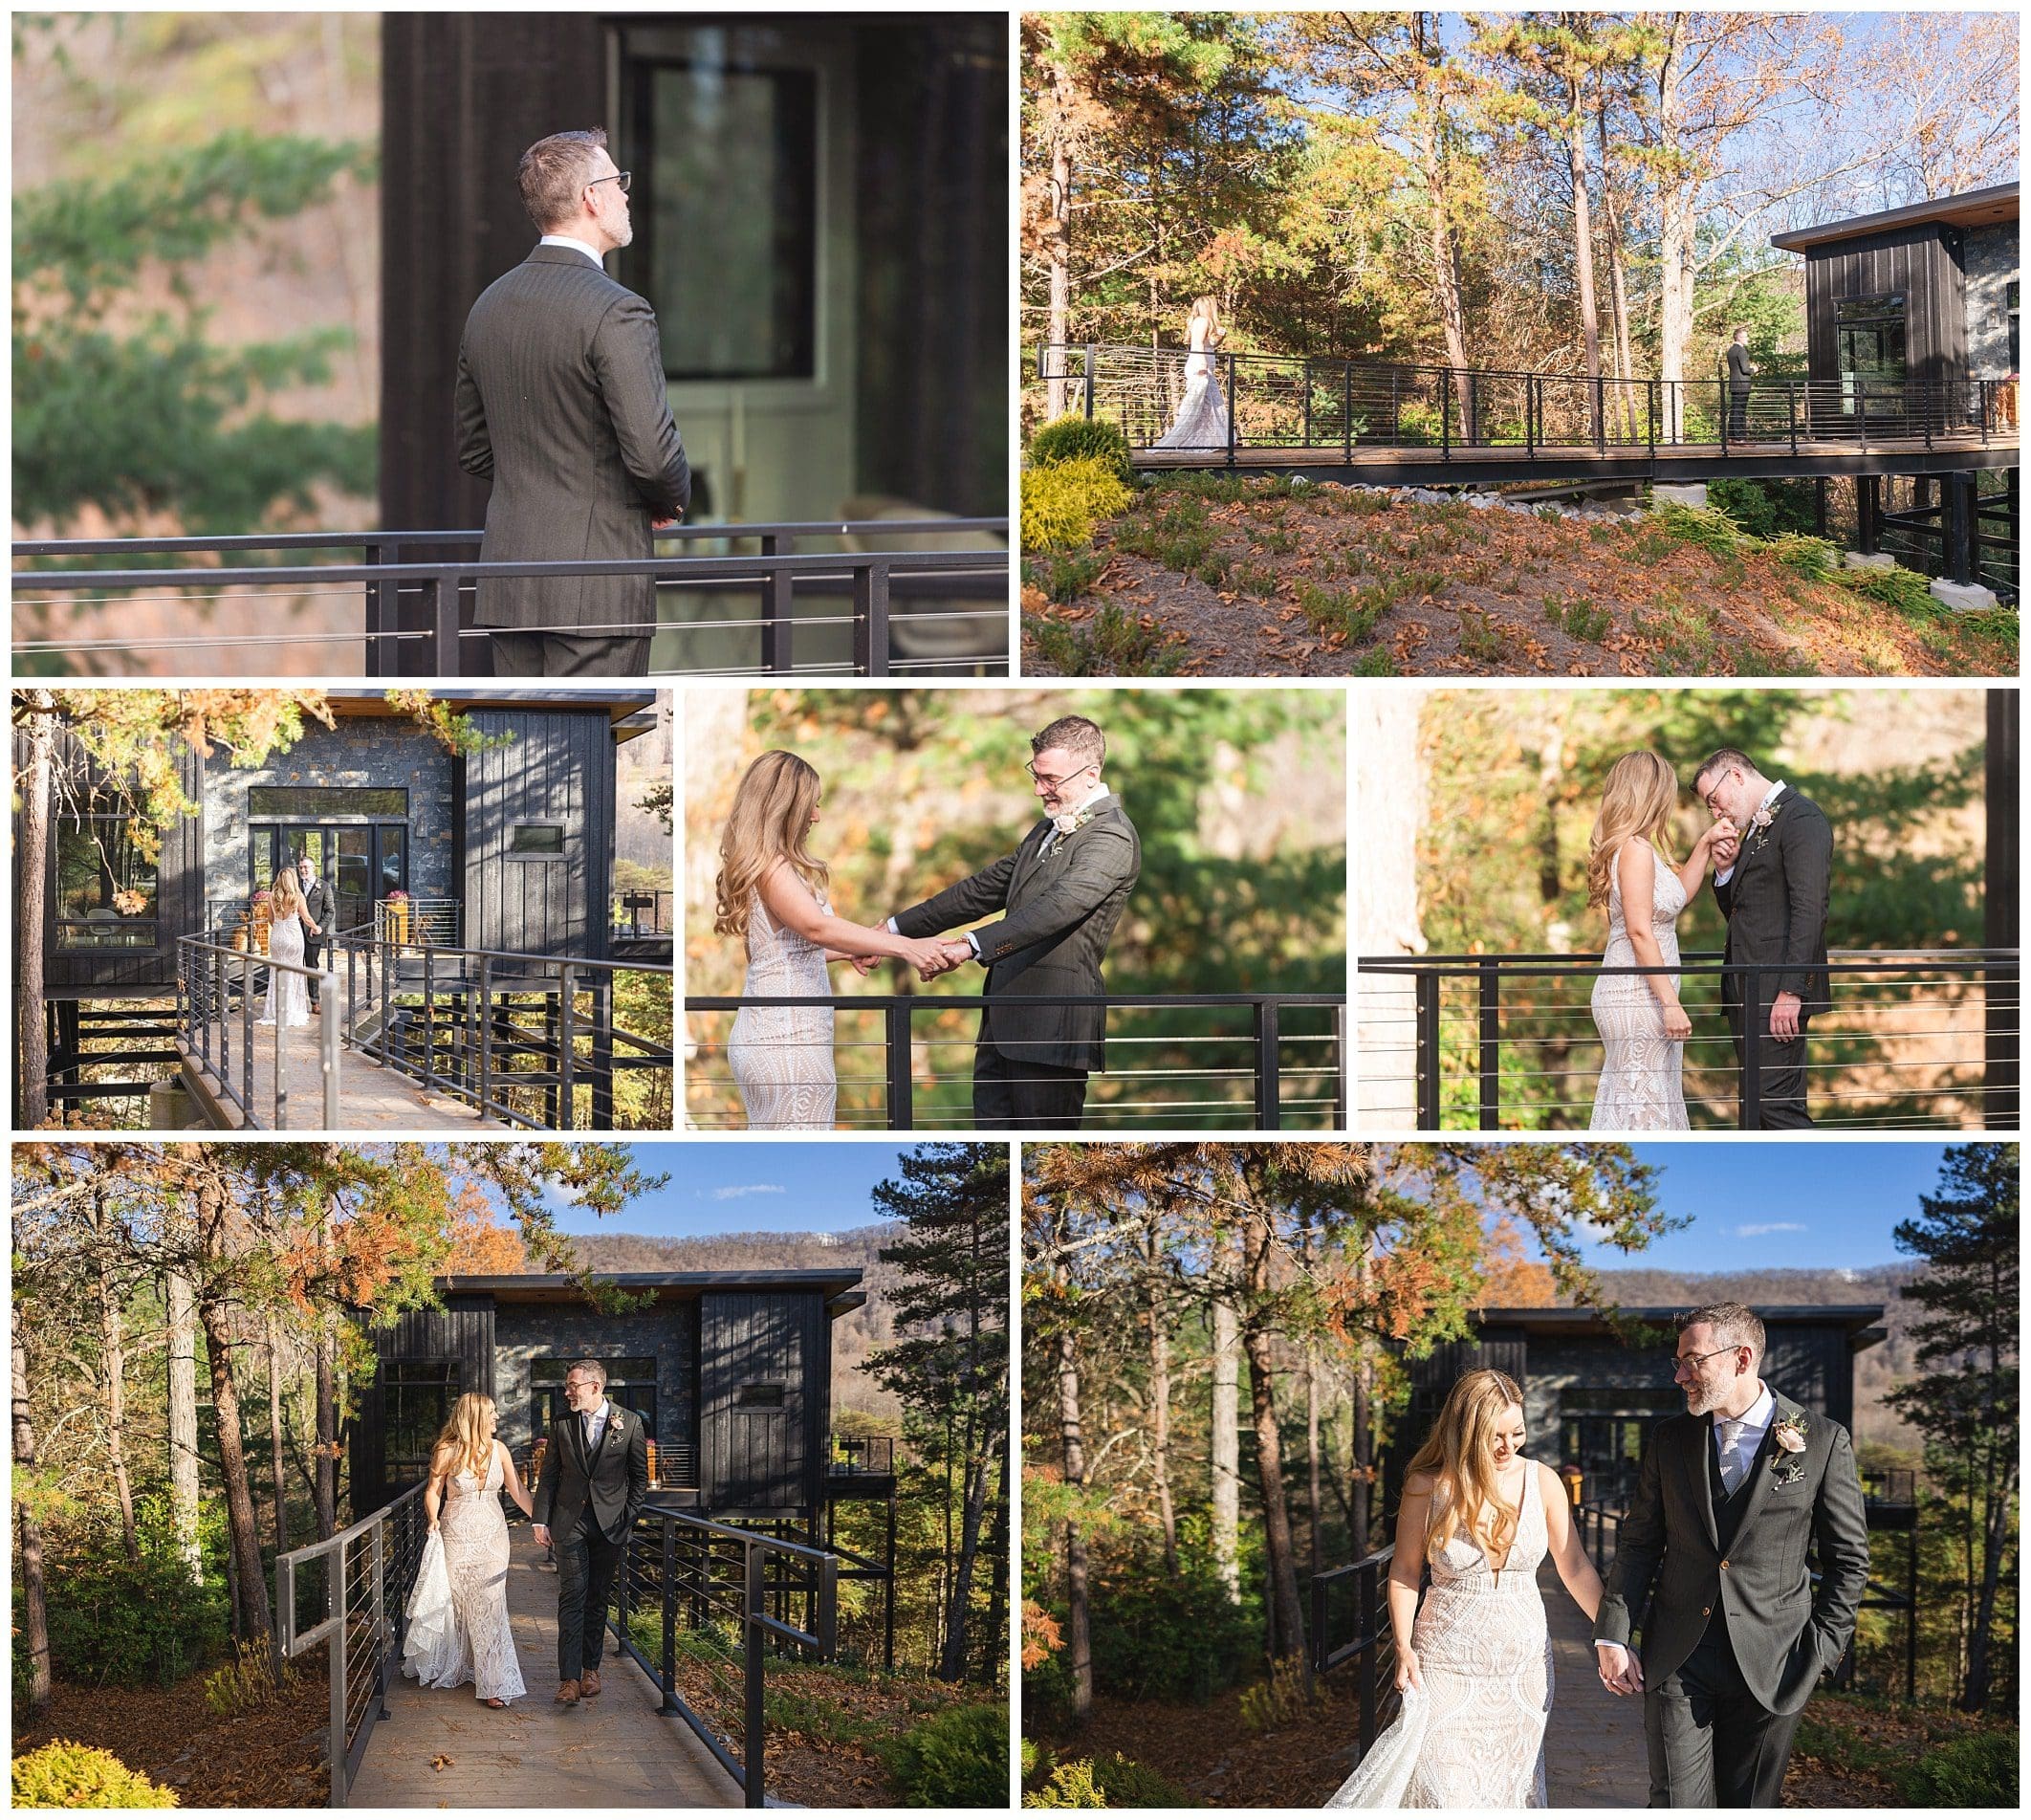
{"x":371,"y":1098}
{"x":441,"y":1749}
{"x":1594,"y":1754}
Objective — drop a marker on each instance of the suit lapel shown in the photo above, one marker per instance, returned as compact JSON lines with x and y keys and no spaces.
{"x":1760,"y":1477}
{"x":1028,"y":857}
{"x":1702,"y":1478}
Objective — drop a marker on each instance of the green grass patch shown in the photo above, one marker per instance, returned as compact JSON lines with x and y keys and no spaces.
{"x":1063,"y":575}
{"x":1114,"y":643}
{"x":1577,"y":616}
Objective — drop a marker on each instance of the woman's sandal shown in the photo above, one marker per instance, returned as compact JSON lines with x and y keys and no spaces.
{"x":499,"y":1705}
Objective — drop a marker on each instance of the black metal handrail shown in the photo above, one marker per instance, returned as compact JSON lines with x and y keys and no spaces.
{"x":1486,"y":1028}
{"x":1266,"y":1071}
{"x":1316,"y":403}
{"x":700,"y":1574}
{"x":413,"y":610}
{"x":369,"y":1572}
{"x":1358,"y":1591}
{"x":626,"y":912}
{"x":852,"y":1456}
{"x":207,"y":975}
{"x":455,"y":1019}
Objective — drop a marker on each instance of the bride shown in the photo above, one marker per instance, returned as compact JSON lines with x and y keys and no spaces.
{"x":1201,"y":422}
{"x":458,"y":1614}
{"x":1475,"y":1668}
{"x":1642,"y":1024}
{"x":771,"y":891}
{"x":288,"y":1002}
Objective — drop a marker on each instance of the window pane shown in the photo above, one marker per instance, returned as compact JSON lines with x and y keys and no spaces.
{"x":537,"y":837}
{"x":293,"y":799}
{"x":417,"y":1395}
{"x":731,"y":214}
{"x":105,"y":890}
{"x":394,"y":860}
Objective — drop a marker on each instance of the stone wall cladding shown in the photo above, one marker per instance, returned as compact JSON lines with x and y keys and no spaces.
{"x":1989,"y":258}
{"x":355,"y":754}
{"x":524,"y":1333}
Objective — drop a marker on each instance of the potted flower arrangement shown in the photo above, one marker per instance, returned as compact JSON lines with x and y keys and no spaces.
{"x":398,"y":912}
{"x":257,"y":921}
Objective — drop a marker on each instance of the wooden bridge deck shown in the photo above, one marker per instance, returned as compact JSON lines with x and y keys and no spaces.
{"x":371,"y":1098}
{"x":441,"y":1749}
{"x":1594,"y":1754}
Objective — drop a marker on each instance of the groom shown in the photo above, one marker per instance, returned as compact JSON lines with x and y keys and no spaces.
{"x":1712,"y":1564}
{"x":1063,"y":891}
{"x":592,"y":1487}
{"x":562,"y":404}
{"x":1771,"y":881}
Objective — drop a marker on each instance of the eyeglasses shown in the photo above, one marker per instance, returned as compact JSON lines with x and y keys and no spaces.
{"x":1698,"y":1359}
{"x":622,"y":177}
{"x":1049,"y":782}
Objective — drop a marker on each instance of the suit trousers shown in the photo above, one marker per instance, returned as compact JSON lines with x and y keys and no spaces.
{"x":570,"y":655}
{"x":1025,"y":1096}
{"x":1711,"y":1743}
{"x":313,"y":948}
{"x":1780,"y":1084}
{"x":586,"y":1566}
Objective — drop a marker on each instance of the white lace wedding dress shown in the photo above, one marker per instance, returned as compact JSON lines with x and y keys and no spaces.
{"x":1642,"y":1086}
{"x":1474,"y":1737}
{"x":1201,"y":422}
{"x":781,"y":1055}
{"x":288,"y":1001}
{"x":458,"y":1628}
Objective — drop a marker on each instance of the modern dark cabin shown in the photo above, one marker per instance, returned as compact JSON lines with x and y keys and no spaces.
{"x":731,"y":1372}
{"x":508,"y":848}
{"x":1911,"y":308}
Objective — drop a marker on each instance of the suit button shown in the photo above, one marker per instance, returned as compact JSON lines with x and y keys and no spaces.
{"x":1706,"y":1610}
{"x":1724,"y":1567}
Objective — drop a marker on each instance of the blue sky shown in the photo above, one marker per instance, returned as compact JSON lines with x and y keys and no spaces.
{"x":1763,"y":1206}
{"x":730,"y":1188}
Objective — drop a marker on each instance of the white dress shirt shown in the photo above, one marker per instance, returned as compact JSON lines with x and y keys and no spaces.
{"x":592,"y":253}
{"x":1100,"y":793}
{"x":1770,"y":795}
{"x":596,"y":1426}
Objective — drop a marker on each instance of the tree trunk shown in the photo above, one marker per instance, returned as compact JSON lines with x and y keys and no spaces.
{"x":1618,"y":280}
{"x":1677,"y":195}
{"x":1057,"y":239}
{"x":1582,"y":223}
{"x":1227,"y":1444}
{"x":183,"y":1420}
{"x":34,"y":1607}
{"x":1079,"y":1615}
{"x":1286,"y":1615}
{"x":32,"y":859}
{"x":1364,"y":1454}
{"x":951,"y":1665}
{"x":275,"y":1454}
{"x":1311,"y":1450}
{"x":993,"y":1639}
{"x":1160,"y":1401}
{"x":325,"y":1391}
{"x":1428,"y":103}
{"x":113,"y":1367}
{"x":249,"y":1582}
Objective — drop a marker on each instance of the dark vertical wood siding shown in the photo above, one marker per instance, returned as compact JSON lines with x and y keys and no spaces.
{"x":1814,"y":1367}
{"x":1923,"y":263}
{"x":762,"y":1459}
{"x":462,"y":1330}
{"x":179,"y":899}
{"x":1495,"y":1350}
{"x":558,"y":768}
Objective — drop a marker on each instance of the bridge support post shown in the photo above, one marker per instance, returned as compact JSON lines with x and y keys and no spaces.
{"x":1959,"y":515}
{"x":1819,"y":506}
{"x":1869,"y":512}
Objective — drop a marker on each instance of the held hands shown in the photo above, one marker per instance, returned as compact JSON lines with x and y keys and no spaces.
{"x":1724,"y":842}
{"x":1621,"y":1673}
{"x":1784,"y":1011}
{"x":542,"y":1534}
{"x":931,"y":957}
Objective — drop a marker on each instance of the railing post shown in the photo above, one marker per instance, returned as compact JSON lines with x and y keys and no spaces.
{"x":1346,"y":409}
{"x":2001,"y":1023}
{"x":1751,"y":1096}
{"x":1308,"y":402}
{"x":1650,"y":402}
{"x":1491,"y":1009}
{"x":339,"y":1666}
{"x":429,"y":1015}
{"x":669,"y":1617}
{"x":1086,"y":387}
{"x":1530,"y":413}
{"x":775,"y":606}
{"x":485,"y":1032}
{"x":1862,"y":408}
{"x":328,"y":1045}
{"x":1339,"y":1067}
{"x":1234,"y":407}
{"x":895,"y":1019}
{"x":388,"y":967}
{"x":1600,"y":415}
{"x":1925,"y":414}
{"x":380,"y":1617}
{"x":443,"y":608}
{"x":870,"y":619}
{"x":1427,"y":1050}
{"x":1791,"y":413}
{"x":1720,"y":387}
{"x":567,"y":986}
{"x":752,"y":1765}
{"x":247,"y":1024}
{"x":1269,"y":1113}
{"x":1444,"y":413}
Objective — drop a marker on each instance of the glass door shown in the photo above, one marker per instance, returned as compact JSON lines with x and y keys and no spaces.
{"x":353,"y":877}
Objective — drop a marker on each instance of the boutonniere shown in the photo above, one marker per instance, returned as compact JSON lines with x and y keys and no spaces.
{"x":1789,"y":1435}
{"x":1071,"y":824}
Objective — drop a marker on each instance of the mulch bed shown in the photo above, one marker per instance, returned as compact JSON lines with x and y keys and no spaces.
{"x":270,"y":1758}
{"x":1680,"y":612}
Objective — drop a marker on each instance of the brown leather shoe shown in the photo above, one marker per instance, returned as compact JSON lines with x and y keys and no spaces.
{"x":589,"y":1683}
{"x":568,"y":1694}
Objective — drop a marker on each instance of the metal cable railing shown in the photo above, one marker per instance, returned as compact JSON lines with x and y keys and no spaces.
{"x":1911,"y":1038}
{"x":1284,"y":1065}
{"x":416,"y":599}
{"x":359,"y":1581}
{"x":1350,"y":1623}
{"x":210,"y":978}
{"x":716,"y":1602}
{"x":635,"y":913}
{"x":1320,"y":406}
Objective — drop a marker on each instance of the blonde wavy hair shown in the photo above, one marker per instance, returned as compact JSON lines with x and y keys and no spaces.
{"x":1460,"y":1450}
{"x":768,"y":824}
{"x":1209,"y":307}
{"x":462,"y":1443}
{"x":285,"y":896}
{"x":1637,"y":802}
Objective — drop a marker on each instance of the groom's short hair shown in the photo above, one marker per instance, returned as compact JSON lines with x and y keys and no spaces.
{"x":1075,"y":733}
{"x":1733,"y":1323}
{"x":1726,"y":758}
{"x":593,"y":1368}
{"x":552,"y":173}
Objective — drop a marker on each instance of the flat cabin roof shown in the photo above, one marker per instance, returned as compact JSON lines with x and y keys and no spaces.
{"x":1971,"y":209}
{"x":1862,"y":1320}
{"x":629,"y":711}
{"x":841,"y":1287}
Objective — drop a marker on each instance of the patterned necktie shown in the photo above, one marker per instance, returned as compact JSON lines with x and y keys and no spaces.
{"x":1731,"y":1435}
{"x":585,"y":1432}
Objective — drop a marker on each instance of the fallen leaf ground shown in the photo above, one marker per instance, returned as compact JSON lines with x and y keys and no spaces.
{"x":1256,"y":578}
{"x":270,"y":1758}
